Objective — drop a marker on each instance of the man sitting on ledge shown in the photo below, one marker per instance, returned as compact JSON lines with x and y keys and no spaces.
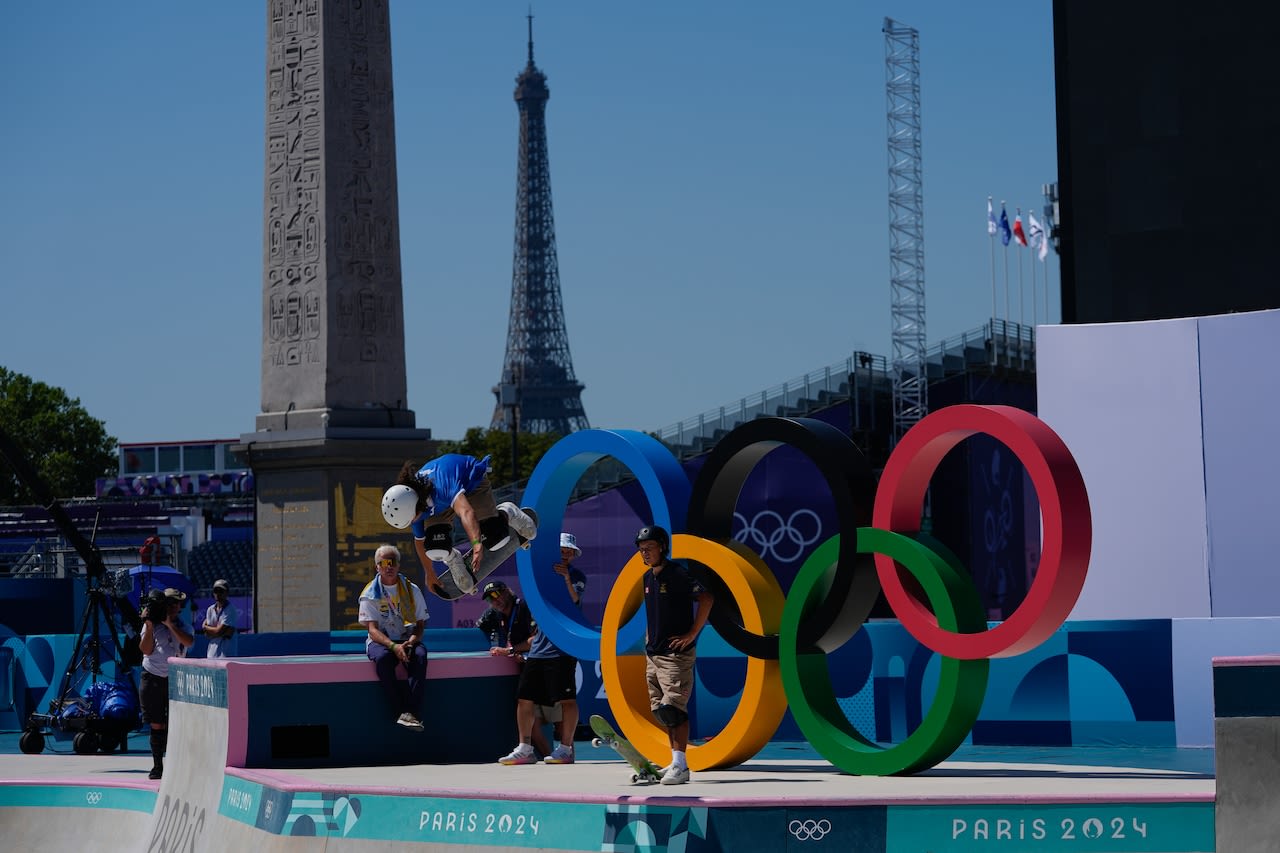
{"x":395,"y":613}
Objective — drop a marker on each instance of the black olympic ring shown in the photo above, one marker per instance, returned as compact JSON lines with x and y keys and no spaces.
{"x":855,"y":586}
{"x":805,"y":830}
{"x":785,"y":529}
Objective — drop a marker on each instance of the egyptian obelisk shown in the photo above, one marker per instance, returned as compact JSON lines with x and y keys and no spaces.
{"x":335,"y":425}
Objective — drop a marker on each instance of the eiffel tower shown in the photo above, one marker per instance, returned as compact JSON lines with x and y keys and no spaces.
{"x":538,"y":391}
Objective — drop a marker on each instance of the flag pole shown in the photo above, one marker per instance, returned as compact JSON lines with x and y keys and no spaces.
{"x":991,"y":238}
{"x":1007,"y":312}
{"x":1021,"y":290}
{"x":1035,"y":308}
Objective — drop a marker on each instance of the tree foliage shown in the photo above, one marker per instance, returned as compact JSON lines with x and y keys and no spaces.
{"x":530,"y":447}
{"x":67,"y":447}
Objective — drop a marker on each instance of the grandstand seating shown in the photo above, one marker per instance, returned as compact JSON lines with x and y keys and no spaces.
{"x":222,"y":559}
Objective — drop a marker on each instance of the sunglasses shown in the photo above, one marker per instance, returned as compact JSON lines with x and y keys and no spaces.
{"x":387,"y":561}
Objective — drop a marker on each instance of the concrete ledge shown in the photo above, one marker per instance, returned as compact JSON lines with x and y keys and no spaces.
{"x":330,"y":711}
{"x":1246,"y":695}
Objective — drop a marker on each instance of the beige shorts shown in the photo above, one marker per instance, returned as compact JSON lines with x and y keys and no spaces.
{"x":481,"y":501}
{"x":549,"y":713}
{"x":670,"y":679}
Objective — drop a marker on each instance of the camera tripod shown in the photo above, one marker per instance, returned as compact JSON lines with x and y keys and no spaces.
{"x":104,"y":610}
{"x":93,"y":733}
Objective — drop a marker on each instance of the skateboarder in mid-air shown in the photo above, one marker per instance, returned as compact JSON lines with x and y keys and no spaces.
{"x":455,"y":486}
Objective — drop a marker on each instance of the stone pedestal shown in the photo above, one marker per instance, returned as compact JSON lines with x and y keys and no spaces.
{"x":1246,"y":707}
{"x":319,"y":520}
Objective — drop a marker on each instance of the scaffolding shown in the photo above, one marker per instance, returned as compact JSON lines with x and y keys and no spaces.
{"x":906,"y":226}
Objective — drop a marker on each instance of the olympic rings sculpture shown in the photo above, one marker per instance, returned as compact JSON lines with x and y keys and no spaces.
{"x":786,"y":636}
{"x":784,"y":536}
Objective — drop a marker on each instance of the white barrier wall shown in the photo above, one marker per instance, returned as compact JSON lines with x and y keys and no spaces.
{"x":1176,"y":427}
{"x":1240,"y":393}
{"x":1125,"y":397}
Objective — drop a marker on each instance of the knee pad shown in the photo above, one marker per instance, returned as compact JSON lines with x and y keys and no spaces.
{"x":439,"y":542}
{"x":670,"y":716}
{"x":495,"y":531}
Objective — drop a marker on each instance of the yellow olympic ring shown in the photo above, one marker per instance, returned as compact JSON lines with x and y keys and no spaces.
{"x":763,"y":702}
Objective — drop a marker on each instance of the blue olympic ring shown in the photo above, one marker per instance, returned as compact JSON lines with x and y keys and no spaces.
{"x":665,"y":486}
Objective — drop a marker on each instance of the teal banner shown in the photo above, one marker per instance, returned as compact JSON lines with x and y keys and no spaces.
{"x":430,"y":820}
{"x":77,"y":797}
{"x":1101,"y":828}
{"x":198,"y":685}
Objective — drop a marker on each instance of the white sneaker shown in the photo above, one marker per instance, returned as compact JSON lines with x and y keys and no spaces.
{"x":675,"y":776}
{"x":560,"y":755}
{"x":519,"y":520}
{"x":522,"y":754}
{"x":409,"y":721}
{"x":461,"y":573}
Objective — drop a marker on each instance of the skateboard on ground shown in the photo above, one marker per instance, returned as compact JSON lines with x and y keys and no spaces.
{"x":447,"y":589}
{"x":645,"y":772}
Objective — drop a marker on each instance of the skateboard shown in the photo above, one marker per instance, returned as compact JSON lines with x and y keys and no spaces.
{"x":447,"y":589}
{"x":645,"y":772}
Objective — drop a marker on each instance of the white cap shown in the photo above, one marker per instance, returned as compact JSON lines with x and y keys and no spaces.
{"x":568,"y":540}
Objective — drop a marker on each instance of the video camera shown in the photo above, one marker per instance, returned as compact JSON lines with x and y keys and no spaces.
{"x":155,"y":607}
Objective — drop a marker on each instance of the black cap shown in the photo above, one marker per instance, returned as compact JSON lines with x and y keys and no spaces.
{"x":492,"y":587}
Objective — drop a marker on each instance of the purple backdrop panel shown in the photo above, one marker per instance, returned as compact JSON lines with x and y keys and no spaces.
{"x":1125,"y":397}
{"x":1241,"y":414}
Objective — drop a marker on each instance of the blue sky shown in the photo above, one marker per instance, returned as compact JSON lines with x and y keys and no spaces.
{"x":719,"y":173}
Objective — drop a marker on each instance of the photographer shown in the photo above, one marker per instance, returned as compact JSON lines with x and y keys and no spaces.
{"x":164,"y":635}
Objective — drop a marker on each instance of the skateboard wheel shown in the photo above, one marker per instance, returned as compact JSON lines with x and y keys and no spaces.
{"x":596,"y":742}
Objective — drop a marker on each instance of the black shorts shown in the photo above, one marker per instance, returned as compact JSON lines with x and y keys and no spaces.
{"x":546,"y":681}
{"x":153,"y":695}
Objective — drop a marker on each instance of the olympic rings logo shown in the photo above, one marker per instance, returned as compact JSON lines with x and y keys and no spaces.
{"x":93,"y":797}
{"x":768,"y":530}
{"x":786,"y":636}
{"x":807,"y":830}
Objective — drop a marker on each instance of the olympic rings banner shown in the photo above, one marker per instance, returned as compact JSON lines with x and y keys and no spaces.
{"x":786,"y":636}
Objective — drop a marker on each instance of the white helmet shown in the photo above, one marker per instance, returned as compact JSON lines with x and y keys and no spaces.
{"x":399,"y":506}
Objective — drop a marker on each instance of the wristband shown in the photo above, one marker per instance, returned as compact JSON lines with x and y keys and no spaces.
{"x":475,"y":542}
{"x":393,"y":646}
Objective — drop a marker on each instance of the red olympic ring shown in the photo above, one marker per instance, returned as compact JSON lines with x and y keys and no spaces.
{"x":1064,"y":508}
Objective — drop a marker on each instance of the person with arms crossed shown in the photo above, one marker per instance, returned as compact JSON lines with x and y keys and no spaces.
{"x":220,"y":623}
{"x":549,"y":676}
{"x":671,"y":632}
{"x":394,"y":612}
{"x":164,"y":635}
{"x":452,"y":486}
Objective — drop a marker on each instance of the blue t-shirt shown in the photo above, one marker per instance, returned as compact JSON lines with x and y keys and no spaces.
{"x":542,"y":647}
{"x":449,"y":475}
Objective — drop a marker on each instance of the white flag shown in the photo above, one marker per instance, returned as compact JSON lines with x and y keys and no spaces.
{"x":1038,"y":240}
{"x":991,"y":217}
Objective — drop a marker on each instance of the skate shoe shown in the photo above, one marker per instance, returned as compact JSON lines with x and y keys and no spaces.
{"x":560,"y":755}
{"x":409,"y":721}
{"x":522,"y":754}
{"x":675,"y":776}
{"x":461,"y":573}
{"x":520,"y":520}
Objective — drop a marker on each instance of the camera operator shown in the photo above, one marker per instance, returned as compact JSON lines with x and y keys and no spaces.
{"x":164,"y":635}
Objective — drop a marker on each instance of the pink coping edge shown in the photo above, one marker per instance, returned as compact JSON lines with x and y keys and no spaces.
{"x":290,"y":784}
{"x":245,"y":672}
{"x":1248,"y":660}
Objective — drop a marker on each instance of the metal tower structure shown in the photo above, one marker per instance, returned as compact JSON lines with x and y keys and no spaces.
{"x":538,"y":391}
{"x":906,"y":226}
